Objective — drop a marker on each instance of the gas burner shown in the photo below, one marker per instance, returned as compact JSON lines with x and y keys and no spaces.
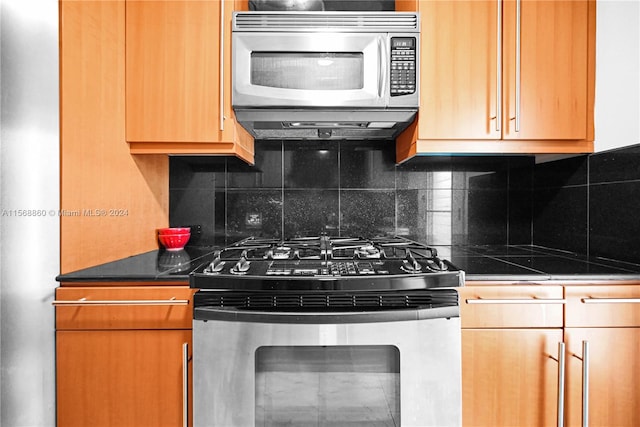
{"x":368,"y":251}
{"x":280,"y":252}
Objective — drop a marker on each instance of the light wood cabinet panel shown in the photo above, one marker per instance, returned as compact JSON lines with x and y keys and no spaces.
{"x":458,"y":75}
{"x":124,"y":308}
{"x":607,"y":318}
{"x":510,"y":349}
{"x":552,"y":67}
{"x":489,"y":66}
{"x":173,"y":70}
{"x":120,"y":378}
{"x":120,"y":361}
{"x":614,"y":375}
{"x":526,"y":306}
{"x":603,"y":306}
{"x":178,"y":74}
{"x":111,"y":202}
{"x":510,"y":377}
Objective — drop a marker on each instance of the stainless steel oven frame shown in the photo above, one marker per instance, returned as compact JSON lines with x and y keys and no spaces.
{"x":225,"y":342}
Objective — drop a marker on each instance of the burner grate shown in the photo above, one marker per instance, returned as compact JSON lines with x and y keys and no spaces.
{"x":334,"y":301}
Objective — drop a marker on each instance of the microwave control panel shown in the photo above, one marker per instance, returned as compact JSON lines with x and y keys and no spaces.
{"x":403,"y":65}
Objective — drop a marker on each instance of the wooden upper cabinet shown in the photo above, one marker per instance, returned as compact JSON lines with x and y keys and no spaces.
{"x":508,"y":76}
{"x":178,"y":79}
{"x":552,"y":63}
{"x":458,"y":70}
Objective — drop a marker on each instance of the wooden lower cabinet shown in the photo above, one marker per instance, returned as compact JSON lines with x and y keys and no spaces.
{"x":123,"y":356}
{"x":510,"y":377}
{"x":613,"y":376}
{"x":510,"y":354}
{"x":121,"y":378}
{"x":510,"y":349}
{"x":607,"y":318}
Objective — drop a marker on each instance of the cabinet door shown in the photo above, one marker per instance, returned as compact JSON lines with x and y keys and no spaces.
{"x":545,"y":76}
{"x":173,"y":71}
{"x":178,"y":79}
{"x":613,"y":376}
{"x":121,"y":378}
{"x":458,"y":70}
{"x":510,"y":377}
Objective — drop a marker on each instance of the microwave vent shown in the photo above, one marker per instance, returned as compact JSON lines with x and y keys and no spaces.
{"x":326,"y":21}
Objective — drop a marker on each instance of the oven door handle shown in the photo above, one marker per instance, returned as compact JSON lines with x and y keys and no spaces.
{"x":232,"y":314}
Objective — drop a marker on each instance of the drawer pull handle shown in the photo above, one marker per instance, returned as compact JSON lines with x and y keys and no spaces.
{"x":516,"y":301}
{"x":185,"y":385}
{"x":585,"y":383}
{"x":499,"y":67}
{"x":561,"y":383}
{"x":610,"y":300}
{"x":83,"y":302}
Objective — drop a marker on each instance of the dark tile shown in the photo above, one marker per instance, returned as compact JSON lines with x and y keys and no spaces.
{"x":520,"y":217}
{"x":503,"y":250}
{"x":187,"y":174}
{"x":367,"y":213}
{"x":426,"y":163}
{"x":616,"y":165}
{"x":564,"y":265}
{"x":560,"y":218}
{"x":253,"y":213}
{"x":561,"y":173}
{"x":311,"y":212}
{"x":220,"y":219}
{"x":488,"y":180}
{"x":367,"y":166}
{"x":308,"y":164}
{"x":424,"y":179}
{"x":521,"y":174}
{"x":265,"y":173}
{"x":487,"y":216}
{"x":493,"y":170}
{"x":614,"y":221}
{"x":432,"y":216}
{"x":192,"y":207}
{"x":491,"y":267}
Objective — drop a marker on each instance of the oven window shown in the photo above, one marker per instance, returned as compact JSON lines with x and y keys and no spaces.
{"x":308,"y":70}
{"x":328,"y":386}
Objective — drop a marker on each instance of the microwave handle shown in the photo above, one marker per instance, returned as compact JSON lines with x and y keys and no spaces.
{"x":382,"y":66}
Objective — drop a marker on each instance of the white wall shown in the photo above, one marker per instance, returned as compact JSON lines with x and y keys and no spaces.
{"x":617,"y":103}
{"x":29,"y":224}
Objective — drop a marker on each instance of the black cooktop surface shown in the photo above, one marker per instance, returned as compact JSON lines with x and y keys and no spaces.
{"x":326,"y":263}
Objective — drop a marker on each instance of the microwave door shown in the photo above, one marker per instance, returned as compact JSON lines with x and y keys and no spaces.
{"x":309,"y":70}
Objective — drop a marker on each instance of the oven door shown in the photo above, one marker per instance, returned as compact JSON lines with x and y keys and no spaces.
{"x":309,"y":70}
{"x":379,"y":368}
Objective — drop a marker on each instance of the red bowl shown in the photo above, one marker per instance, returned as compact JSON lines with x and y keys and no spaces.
{"x":174,"y":230}
{"x":174,"y":242}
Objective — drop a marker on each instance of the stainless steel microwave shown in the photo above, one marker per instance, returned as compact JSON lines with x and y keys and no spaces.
{"x":352,"y":70}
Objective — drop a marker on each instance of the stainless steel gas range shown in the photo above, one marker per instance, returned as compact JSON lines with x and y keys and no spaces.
{"x":327,"y":331}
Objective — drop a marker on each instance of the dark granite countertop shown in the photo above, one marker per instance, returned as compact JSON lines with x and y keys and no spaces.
{"x":159,"y":265}
{"x":480,"y":263}
{"x":534,"y":263}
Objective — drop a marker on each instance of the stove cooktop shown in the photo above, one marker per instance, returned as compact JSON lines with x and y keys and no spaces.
{"x":326,"y":263}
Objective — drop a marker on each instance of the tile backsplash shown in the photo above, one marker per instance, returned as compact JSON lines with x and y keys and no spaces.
{"x":586,"y":204}
{"x":590,"y":204}
{"x":299,"y":188}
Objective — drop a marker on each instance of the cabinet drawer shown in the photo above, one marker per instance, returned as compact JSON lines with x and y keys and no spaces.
{"x":603,"y":305}
{"x":527,"y":306}
{"x":148,"y":307}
